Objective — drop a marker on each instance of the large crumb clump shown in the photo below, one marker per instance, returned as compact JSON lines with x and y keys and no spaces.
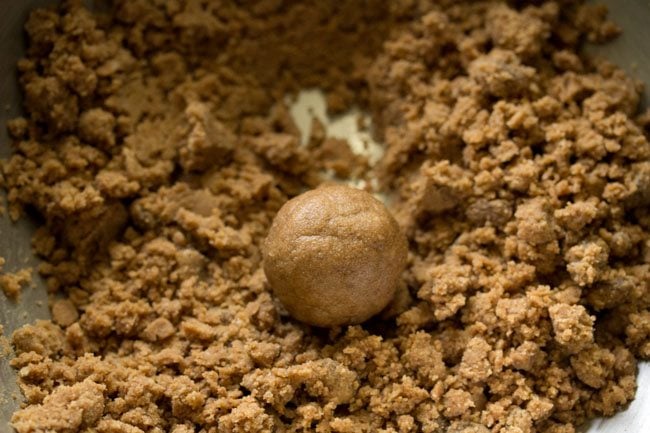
{"x":157,"y":148}
{"x":12,"y":283}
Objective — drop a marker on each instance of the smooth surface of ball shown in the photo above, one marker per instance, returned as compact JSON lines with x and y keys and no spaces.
{"x":334,"y":256}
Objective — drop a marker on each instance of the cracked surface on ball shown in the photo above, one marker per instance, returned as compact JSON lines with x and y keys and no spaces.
{"x":334,"y":256}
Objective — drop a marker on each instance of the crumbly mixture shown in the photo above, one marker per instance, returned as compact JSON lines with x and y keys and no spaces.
{"x":157,"y":149}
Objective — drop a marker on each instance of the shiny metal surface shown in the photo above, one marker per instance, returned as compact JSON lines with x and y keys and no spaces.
{"x":631,"y":51}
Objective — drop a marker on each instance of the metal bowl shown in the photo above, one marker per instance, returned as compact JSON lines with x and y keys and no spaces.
{"x":630,"y":51}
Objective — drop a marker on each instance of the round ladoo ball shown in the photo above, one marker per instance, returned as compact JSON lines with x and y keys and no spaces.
{"x":334,"y":256}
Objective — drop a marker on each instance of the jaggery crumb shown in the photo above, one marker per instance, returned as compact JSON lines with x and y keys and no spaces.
{"x":64,"y":312}
{"x":5,"y":347}
{"x":157,"y":148}
{"x":336,"y":156}
{"x":68,"y":408}
{"x":572,"y":326}
{"x":12,"y":283}
{"x":96,"y":127}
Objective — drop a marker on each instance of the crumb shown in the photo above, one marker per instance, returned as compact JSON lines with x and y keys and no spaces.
{"x":334,"y":154}
{"x":5,"y":345}
{"x":13,"y":283}
{"x":572,"y":325}
{"x":69,"y":407}
{"x":64,"y":312}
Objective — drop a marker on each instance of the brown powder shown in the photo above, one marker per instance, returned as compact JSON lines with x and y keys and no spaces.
{"x":158,"y":150}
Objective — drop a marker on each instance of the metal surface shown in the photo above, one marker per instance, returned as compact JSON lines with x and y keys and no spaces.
{"x":14,"y":238}
{"x":631,"y":51}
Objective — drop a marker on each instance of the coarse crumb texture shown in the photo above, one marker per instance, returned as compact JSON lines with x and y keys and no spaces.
{"x":157,"y":148}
